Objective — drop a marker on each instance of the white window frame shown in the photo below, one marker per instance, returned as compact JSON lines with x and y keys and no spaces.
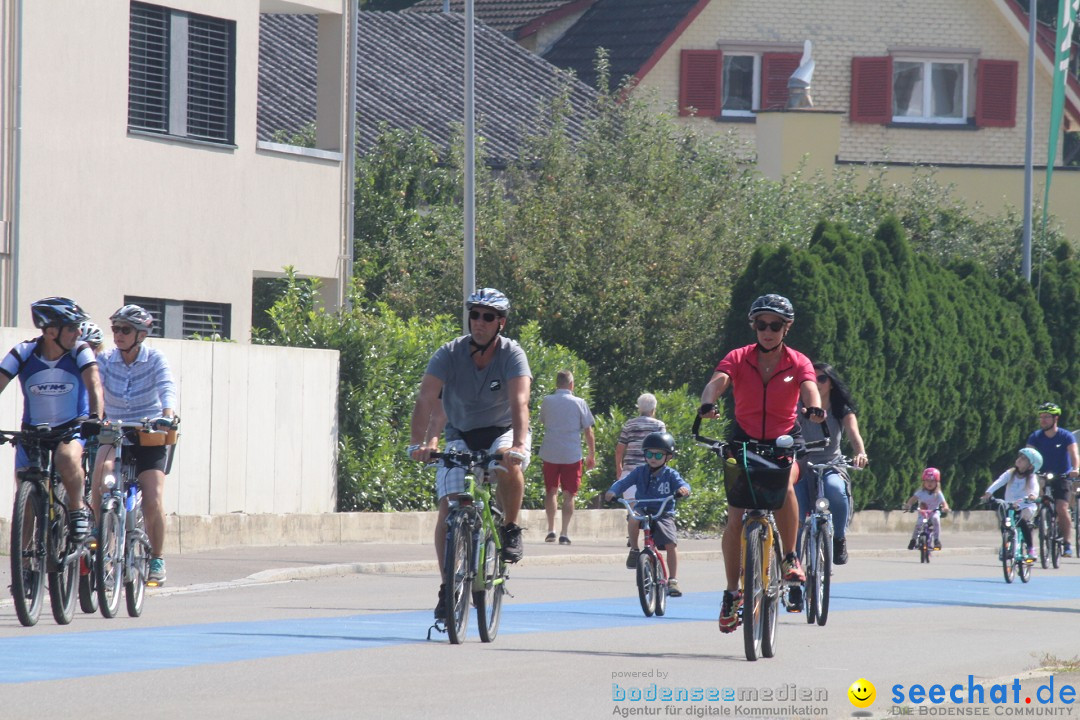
{"x":927,"y":90}
{"x":755,"y":100}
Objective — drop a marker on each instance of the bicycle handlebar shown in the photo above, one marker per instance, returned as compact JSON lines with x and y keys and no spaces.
{"x":631,"y":504}
{"x":763,"y":448}
{"x":469,"y":458}
{"x":41,"y":432}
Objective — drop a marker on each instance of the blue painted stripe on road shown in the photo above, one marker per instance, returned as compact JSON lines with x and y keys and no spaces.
{"x":67,"y":655}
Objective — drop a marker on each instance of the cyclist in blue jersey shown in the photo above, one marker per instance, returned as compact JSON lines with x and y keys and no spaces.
{"x":1060,"y":457}
{"x":61,"y":388}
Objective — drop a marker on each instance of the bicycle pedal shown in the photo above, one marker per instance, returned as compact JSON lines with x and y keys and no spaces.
{"x":438,"y":627}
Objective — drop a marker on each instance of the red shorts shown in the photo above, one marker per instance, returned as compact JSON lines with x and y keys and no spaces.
{"x":564,"y":475}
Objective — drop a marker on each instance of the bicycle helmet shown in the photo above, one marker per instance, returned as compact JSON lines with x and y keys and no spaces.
{"x":932,"y":473}
{"x":1050,"y":408}
{"x":659,"y":441}
{"x":775,"y":304}
{"x":135,"y":316}
{"x":56,"y":311}
{"x":89,"y":332}
{"x":491,"y":298}
{"x":1034,"y":457}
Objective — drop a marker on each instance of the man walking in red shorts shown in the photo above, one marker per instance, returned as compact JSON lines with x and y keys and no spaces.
{"x":564,"y":417}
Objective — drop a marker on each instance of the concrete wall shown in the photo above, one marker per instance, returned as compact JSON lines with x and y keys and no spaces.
{"x":258,"y":428}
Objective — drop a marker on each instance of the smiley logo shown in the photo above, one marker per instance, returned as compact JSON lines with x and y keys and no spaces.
{"x":862,"y":693}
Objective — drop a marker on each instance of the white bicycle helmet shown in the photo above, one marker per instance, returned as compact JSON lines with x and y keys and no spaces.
{"x":489,"y":297}
{"x":89,"y":332}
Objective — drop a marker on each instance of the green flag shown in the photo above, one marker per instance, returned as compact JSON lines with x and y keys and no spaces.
{"x":1068,"y":10}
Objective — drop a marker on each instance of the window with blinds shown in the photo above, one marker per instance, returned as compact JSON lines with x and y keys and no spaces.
{"x":206,"y":319}
{"x":186,"y":318}
{"x":181,"y":74}
{"x":153,"y":306}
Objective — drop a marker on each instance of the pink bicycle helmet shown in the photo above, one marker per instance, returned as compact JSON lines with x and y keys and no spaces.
{"x":932,"y":473}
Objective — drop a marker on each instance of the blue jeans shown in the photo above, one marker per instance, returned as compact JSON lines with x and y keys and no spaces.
{"x":836,"y":492}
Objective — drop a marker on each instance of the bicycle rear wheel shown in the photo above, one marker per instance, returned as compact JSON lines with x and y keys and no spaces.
{"x":824,"y":562}
{"x":28,"y":552}
{"x":661,"y":588}
{"x":646,"y":582}
{"x":1045,"y":541}
{"x":488,"y":600}
{"x":137,"y":564}
{"x":1008,"y":557}
{"x":456,"y":572}
{"x":806,"y":557}
{"x":753,"y":589}
{"x":109,"y":562}
{"x":771,"y":603}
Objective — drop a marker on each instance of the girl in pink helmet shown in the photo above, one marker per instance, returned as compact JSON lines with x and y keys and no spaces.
{"x":929,"y":497}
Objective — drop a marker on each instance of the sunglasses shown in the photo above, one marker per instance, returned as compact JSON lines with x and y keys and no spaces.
{"x":653,"y":455}
{"x":488,"y":316}
{"x":123,"y":329}
{"x":775,"y":326}
{"x":822,"y":378}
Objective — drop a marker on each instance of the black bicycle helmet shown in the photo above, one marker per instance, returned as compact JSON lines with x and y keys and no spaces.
{"x":775,"y":304}
{"x":56,"y":311}
{"x":659,"y":441}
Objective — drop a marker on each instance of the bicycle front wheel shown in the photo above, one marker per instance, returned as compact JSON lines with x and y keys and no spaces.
{"x":753,"y":589}
{"x":109,"y":562}
{"x":661,"y":587}
{"x":88,"y":599}
{"x":1045,"y":541}
{"x":63,"y":580}
{"x":456,"y":573}
{"x":924,"y":548}
{"x":28,"y":552}
{"x":809,"y":563}
{"x":137,"y":564}
{"x":1008,"y":557}
{"x":824,"y":576}
{"x":646,"y":582}
{"x":1055,"y":544}
{"x":771,"y":603}
{"x":488,"y":600}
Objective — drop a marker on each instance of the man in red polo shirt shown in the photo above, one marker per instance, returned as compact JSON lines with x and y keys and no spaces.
{"x":767,"y":379}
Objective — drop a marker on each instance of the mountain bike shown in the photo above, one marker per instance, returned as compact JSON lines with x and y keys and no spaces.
{"x":473,"y":564}
{"x":756,"y":478}
{"x":123,"y":548}
{"x":1051,"y":544}
{"x":1013,"y":557}
{"x":652,"y":574}
{"x":816,"y":547}
{"x":88,"y":597}
{"x":40,"y":541}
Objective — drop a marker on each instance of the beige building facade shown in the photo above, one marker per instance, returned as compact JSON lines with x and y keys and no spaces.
{"x":130,"y":169}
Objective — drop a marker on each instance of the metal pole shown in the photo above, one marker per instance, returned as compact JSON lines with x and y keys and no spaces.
{"x":350,"y":152}
{"x":469,"y":280}
{"x":1029,"y":142}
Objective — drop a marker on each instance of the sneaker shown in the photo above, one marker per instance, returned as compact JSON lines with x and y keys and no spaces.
{"x":937,"y":544}
{"x":631,"y":559}
{"x":795,"y":599}
{"x":157,"y":572}
{"x":511,"y":537}
{"x":729,"y":611}
{"x":911,"y":544}
{"x":84,"y":567}
{"x":440,"y":609}
{"x":1067,"y":551}
{"x":550,"y":537}
{"x":563,"y":540}
{"x":1030,"y":556}
{"x":80,"y":524}
{"x":673,"y":588}
{"x":792,"y":570}
{"x":839,"y":551}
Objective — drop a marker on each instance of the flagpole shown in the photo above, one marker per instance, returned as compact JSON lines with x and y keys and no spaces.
{"x":469,"y":275}
{"x":1029,"y":142}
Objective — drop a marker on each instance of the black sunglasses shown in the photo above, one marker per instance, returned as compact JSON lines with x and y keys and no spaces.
{"x":775,"y":326}
{"x":822,"y":378}
{"x":488,"y":316}
{"x":123,"y":329}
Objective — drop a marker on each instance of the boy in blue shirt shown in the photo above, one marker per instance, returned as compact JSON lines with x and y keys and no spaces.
{"x":655,"y":481}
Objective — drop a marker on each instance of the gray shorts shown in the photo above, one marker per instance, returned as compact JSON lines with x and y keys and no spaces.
{"x":449,"y":481}
{"x":663,"y":532}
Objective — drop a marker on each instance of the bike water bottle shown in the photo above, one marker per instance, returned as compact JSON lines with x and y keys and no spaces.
{"x":129,"y":501}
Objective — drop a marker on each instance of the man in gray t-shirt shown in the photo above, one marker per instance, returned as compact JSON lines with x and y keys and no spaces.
{"x":476,"y":387}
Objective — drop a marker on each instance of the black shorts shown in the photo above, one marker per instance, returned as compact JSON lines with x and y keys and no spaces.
{"x":148,"y":457}
{"x":1059,"y":487}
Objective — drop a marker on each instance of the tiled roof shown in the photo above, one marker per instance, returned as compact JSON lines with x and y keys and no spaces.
{"x":631,"y":31}
{"x":411,"y":74}
{"x":506,"y":16}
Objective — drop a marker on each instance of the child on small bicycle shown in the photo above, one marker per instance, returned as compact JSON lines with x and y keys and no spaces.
{"x":1021,"y":485}
{"x":655,"y":481}
{"x":929,"y":497}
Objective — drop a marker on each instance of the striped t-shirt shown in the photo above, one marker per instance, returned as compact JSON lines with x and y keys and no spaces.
{"x":632,"y":434}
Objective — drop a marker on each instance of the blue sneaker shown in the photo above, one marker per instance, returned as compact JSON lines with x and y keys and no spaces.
{"x":1067,"y":551}
{"x":157,"y":572}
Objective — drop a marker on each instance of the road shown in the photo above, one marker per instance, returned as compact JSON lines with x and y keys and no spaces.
{"x":573,"y":639}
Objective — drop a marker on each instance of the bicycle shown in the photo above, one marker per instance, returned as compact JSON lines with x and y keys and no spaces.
{"x":1012,"y":551}
{"x":473,"y":563}
{"x":924,"y":540}
{"x":816,"y":547}
{"x":652,"y":573}
{"x":750,"y":485}
{"x":88,"y":596}
{"x":40,"y":541}
{"x":1051,"y":544}
{"x":123,"y":547}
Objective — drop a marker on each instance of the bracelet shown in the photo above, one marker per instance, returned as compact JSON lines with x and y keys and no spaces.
{"x":411,"y":449}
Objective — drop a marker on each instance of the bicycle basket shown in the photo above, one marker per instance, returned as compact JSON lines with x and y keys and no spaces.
{"x":754,"y":483}
{"x":149,"y":439}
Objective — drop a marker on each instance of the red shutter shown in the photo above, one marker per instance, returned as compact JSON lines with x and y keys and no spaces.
{"x":871,"y":89}
{"x":995,"y":93}
{"x":700,"y":76}
{"x":776,"y":70}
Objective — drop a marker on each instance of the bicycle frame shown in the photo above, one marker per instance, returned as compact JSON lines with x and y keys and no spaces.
{"x":652,"y":584}
{"x":1012,"y":551}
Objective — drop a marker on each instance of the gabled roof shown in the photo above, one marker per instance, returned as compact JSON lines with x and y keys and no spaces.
{"x":1045,"y":40}
{"x":411,"y":74}
{"x":635,"y":33}
{"x":515,"y":18}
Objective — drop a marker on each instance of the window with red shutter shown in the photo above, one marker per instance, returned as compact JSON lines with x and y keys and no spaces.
{"x":995,"y":93}
{"x":700,"y":79}
{"x":871,"y":89}
{"x":776,"y":70}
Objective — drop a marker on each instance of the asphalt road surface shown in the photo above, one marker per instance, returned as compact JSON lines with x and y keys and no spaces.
{"x":573,"y":643}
